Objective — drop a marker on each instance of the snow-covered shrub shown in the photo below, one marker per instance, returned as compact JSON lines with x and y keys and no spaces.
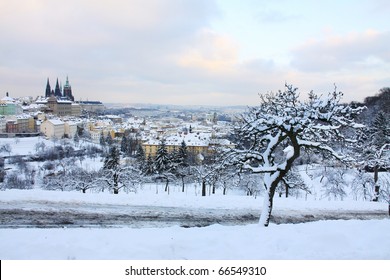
{"x":14,"y":181}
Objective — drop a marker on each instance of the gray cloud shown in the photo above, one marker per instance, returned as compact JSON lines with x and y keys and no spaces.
{"x":96,"y":41}
{"x":338,"y":53}
{"x":165,"y":51}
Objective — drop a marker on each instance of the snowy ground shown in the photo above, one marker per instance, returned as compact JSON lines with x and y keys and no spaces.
{"x":233,"y":232}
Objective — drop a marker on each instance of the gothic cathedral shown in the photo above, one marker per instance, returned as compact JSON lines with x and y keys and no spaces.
{"x":58,"y":92}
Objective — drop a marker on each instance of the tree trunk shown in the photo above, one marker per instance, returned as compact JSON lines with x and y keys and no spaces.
{"x":377,"y":187}
{"x":182,"y":182}
{"x":389,"y":209}
{"x":116,"y":191}
{"x":166,"y":186}
{"x":267,"y":207}
{"x":203,"y":188}
{"x":271,"y":181}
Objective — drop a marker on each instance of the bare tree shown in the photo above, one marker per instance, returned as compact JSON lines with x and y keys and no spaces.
{"x":335,"y":183}
{"x":83,"y":180}
{"x":6,"y":148}
{"x":251,"y":184}
{"x":361,"y":185}
{"x":384,"y":194}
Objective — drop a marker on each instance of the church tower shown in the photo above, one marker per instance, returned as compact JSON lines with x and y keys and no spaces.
{"x":68,"y":90}
{"x":57,"y":91}
{"x":48,"y":89}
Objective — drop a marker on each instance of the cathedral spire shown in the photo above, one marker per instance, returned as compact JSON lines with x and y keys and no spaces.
{"x":57,"y":91}
{"x":68,"y":90}
{"x":48,"y":89}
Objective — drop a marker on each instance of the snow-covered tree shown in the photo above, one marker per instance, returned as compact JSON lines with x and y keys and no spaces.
{"x":102,"y":140}
{"x":376,"y":148}
{"x":283,"y":121}
{"x":56,"y":181}
{"x":128,"y":145}
{"x":292,"y":183}
{"x":84,"y":180}
{"x":109,"y":140}
{"x":164,"y":165}
{"x":140,"y":154}
{"x":2,"y":171}
{"x":384,"y":194}
{"x":180,"y":160}
{"x":162,"y":160}
{"x":6,"y":148}
{"x":204,"y":174}
{"x":40,"y":147}
{"x":119,"y":176}
{"x":14,"y":180}
{"x":148,"y":167}
{"x":229,"y":179}
{"x":250,"y":183}
{"x":111,"y":169}
{"x":361,"y":185}
{"x":76,"y":139}
{"x":124,"y":145}
{"x":335,"y":183}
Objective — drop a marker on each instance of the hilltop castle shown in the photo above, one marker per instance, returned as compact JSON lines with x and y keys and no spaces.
{"x":58,"y":92}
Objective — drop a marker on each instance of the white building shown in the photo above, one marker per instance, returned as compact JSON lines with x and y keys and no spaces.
{"x":70,"y":129}
{"x":53,"y":128}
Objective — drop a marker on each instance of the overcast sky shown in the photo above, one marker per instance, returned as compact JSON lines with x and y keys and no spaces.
{"x":194,"y":52}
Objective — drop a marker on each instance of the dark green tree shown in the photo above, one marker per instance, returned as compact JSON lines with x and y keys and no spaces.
{"x":125,"y":145}
{"x":163,"y":165}
{"x":102,"y":140}
{"x":111,"y":170}
{"x":162,"y":162}
{"x":109,"y":139}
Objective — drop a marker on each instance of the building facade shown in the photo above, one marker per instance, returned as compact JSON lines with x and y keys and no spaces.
{"x":197,"y":144}
{"x":53,"y":128}
{"x":9,"y":107}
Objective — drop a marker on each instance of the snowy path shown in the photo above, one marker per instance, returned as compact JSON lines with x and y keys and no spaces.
{"x":51,"y":214}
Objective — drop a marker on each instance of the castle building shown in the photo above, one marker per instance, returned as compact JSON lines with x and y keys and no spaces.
{"x":60,"y":102}
{"x":66,"y":93}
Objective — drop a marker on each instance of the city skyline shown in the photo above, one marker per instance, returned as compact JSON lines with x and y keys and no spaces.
{"x":194,"y":52}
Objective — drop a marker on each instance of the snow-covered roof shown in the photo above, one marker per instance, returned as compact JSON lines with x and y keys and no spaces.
{"x":8,"y":99}
{"x":191,"y":139}
{"x":64,"y":101}
{"x":56,"y":122}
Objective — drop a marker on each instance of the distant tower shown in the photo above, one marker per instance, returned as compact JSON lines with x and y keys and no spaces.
{"x":68,"y":90}
{"x":48,"y":89}
{"x":57,"y":91}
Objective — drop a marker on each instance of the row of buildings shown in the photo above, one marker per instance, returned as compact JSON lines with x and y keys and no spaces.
{"x":56,"y":115}
{"x":25,"y":115}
